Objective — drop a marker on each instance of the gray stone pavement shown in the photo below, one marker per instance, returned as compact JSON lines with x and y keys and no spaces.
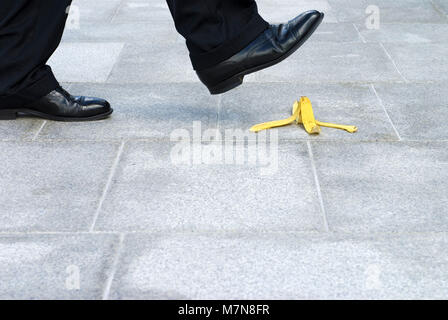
{"x":103,"y":211}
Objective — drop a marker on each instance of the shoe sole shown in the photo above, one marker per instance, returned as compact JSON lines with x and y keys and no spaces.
{"x":11,"y":114}
{"x":237,"y":79}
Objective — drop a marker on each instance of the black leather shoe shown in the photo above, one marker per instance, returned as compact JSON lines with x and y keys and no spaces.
{"x":59,"y":105}
{"x":271,"y":47}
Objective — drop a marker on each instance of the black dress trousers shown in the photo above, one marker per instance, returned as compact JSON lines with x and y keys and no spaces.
{"x":31,"y":30}
{"x":216,"y":29}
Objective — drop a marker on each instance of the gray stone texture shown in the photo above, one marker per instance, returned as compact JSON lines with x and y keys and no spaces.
{"x":48,"y":266}
{"x":334,"y":216}
{"x":281,"y":266}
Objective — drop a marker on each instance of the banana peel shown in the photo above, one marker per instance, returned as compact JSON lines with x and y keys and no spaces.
{"x":302,"y":113}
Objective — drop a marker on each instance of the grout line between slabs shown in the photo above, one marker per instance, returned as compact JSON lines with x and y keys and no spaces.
{"x":271,"y":82}
{"x":114,"y":267}
{"x":34,"y":233}
{"x":282,"y":140}
{"x":117,"y":9}
{"x":212,"y":232}
{"x":319,"y":192}
{"x":439,"y":10}
{"x":359,"y":33}
{"x":39,"y":130}
{"x":108,"y":185}
{"x":117,"y":60}
{"x":393,"y":62}
{"x":385,"y":111}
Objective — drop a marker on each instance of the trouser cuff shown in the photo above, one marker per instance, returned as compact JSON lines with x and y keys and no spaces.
{"x":31,"y":93}
{"x":252,"y":30}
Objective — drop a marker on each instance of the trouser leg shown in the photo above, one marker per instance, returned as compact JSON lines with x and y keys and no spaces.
{"x":216,"y":29}
{"x":30,"y":31}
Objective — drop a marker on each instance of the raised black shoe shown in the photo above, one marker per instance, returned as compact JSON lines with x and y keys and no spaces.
{"x":59,"y":105}
{"x":271,"y":47}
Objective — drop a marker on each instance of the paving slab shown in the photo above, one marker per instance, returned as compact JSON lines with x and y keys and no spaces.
{"x":335,"y":32}
{"x":21,"y":129}
{"x":141,"y":111}
{"x":418,"y":111}
{"x":153,"y":63}
{"x":406,"y":32}
{"x":55,"y":266}
{"x":401,"y":11}
{"x":420,"y":62}
{"x":318,"y":62}
{"x":142,"y":10}
{"x":52,"y":186}
{"x":276,"y":12}
{"x":337,"y":103}
{"x":251,"y":227}
{"x":162,"y":194}
{"x":280,"y":266}
{"x":82,"y":11}
{"x":123,"y":32}
{"x":441,"y":5}
{"x":69,"y":61}
{"x":384,"y":187}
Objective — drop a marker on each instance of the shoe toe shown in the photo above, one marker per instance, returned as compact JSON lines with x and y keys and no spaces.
{"x":310,"y":14}
{"x":304,"y":22}
{"x":103,"y":106}
{"x":95,"y":106}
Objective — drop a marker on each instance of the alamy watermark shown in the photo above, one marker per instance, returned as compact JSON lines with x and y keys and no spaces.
{"x":234,"y":147}
{"x":72,"y":281}
{"x":373,"y":277}
{"x":373,"y":17}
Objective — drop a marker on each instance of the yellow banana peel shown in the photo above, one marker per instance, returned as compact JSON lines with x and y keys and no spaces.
{"x":302,"y":113}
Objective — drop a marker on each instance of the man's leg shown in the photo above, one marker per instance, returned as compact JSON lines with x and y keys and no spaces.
{"x":30,"y":31}
{"x":216,"y":29}
{"x":228,"y":39}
